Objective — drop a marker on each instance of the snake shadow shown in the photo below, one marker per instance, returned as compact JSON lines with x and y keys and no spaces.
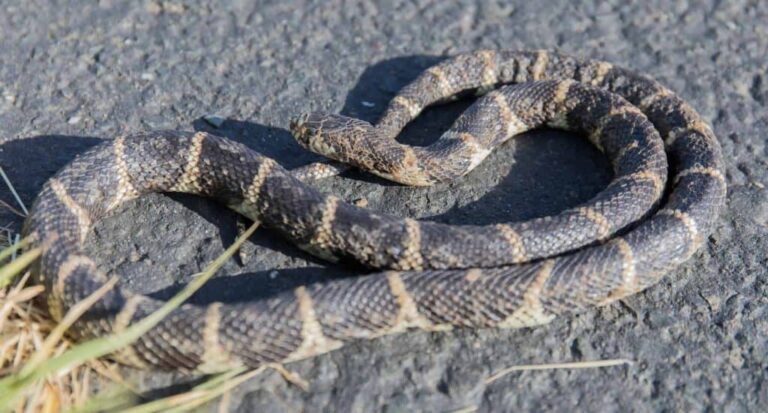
{"x":549,"y":170}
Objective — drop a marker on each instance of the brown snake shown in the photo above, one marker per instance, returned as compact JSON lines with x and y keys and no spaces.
{"x":441,"y":276}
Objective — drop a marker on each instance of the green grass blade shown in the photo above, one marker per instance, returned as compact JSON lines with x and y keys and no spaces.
{"x":8,"y":252}
{"x":15,"y":267}
{"x":12,"y":386}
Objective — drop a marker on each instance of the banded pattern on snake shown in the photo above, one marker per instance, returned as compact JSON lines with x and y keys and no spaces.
{"x":507,"y":275}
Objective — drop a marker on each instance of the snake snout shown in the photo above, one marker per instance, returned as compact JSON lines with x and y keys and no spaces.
{"x":304,"y":126}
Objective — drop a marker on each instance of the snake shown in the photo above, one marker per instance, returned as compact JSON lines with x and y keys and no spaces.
{"x":664,"y":200}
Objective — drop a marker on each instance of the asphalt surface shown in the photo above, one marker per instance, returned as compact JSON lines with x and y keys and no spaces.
{"x":74,"y":73}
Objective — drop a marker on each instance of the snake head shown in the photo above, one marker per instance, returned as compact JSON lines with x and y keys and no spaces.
{"x":333,"y":136}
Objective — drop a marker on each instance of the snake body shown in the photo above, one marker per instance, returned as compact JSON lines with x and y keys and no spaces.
{"x":440,"y":276}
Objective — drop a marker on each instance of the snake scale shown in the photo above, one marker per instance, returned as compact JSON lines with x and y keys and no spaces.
{"x":437,"y":276}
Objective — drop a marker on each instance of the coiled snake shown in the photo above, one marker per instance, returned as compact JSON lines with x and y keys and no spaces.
{"x":440,"y":276}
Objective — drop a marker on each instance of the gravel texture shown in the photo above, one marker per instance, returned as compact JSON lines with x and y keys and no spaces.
{"x":76,"y":72}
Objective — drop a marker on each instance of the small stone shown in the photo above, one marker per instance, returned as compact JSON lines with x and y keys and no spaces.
{"x":273,"y":274}
{"x":360,"y":202}
{"x":214,"y":120}
{"x":134,"y":256}
{"x":368,"y":104}
{"x":74,"y":120}
{"x":147,"y":76}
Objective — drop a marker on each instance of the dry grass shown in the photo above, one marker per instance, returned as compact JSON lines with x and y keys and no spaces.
{"x":25,"y":331}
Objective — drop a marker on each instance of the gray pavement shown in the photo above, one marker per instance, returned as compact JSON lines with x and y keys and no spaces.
{"x":73,"y":73}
